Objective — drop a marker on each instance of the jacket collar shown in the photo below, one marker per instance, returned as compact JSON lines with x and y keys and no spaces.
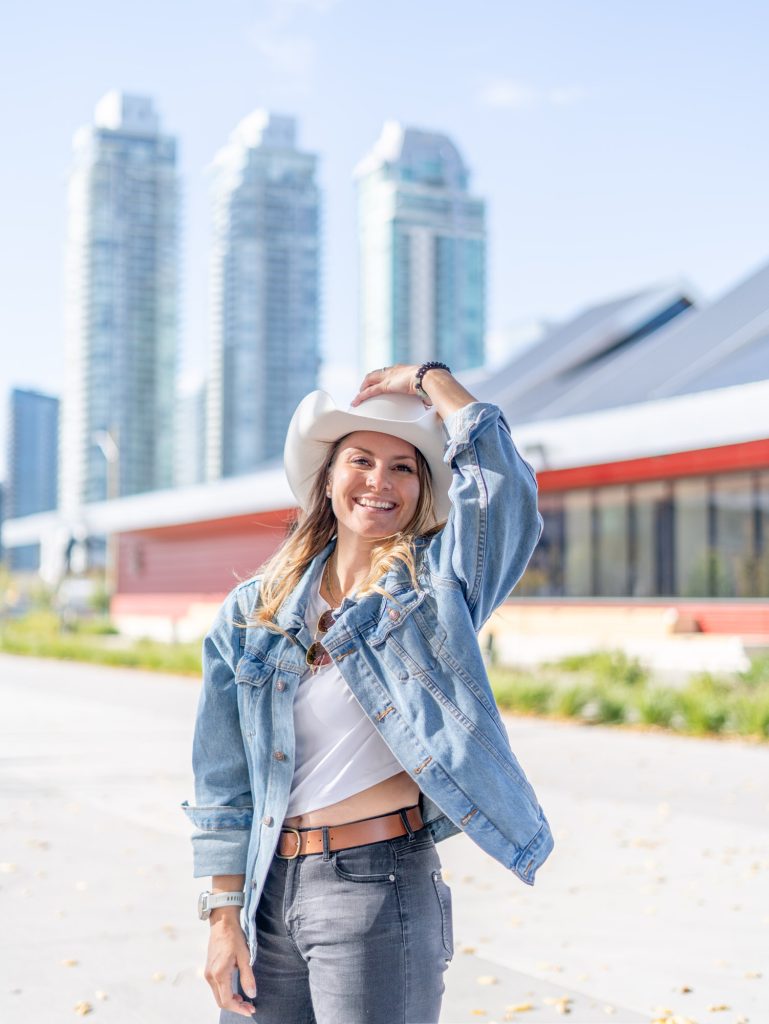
{"x":290,"y":617}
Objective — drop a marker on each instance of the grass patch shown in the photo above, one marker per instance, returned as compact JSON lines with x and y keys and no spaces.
{"x":610,"y":687}
{"x":41,"y":635}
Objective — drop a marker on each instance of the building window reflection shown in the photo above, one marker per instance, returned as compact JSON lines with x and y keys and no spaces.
{"x":693,"y":537}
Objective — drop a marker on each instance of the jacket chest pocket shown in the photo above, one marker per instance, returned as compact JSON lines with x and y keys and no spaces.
{"x":252,"y":677}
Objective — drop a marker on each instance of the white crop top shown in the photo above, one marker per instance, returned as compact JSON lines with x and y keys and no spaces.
{"x":338,"y":750}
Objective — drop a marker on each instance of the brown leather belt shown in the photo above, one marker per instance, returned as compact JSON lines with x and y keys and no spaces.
{"x":296,"y":842}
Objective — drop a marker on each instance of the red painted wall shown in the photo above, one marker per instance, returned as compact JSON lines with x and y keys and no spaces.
{"x":198,"y":558}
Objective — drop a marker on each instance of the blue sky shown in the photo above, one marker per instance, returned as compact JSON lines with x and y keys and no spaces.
{"x":617,"y":144}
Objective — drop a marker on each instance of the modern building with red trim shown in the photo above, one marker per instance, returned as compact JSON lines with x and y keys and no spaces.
{"x":653,"y":470}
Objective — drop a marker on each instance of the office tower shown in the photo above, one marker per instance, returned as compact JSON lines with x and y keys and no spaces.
{"x":118,"y":401}
{"x":422,"y":253}
{"x":31,"y":485}
{"x":265,"y":301}
{"x":190,"y":465}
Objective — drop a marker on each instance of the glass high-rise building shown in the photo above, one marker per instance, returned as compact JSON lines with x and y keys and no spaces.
{"x":31,"y":486}
{"x":265,"y":292}
{"x":422,"y":242}
{"x":121,"y":305}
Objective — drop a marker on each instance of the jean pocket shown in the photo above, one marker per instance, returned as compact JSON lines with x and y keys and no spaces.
{"x":374,"y":862}
{"x":443,"y":893}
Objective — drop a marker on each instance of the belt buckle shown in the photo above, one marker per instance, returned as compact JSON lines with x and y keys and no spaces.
{"x":292,"y":856}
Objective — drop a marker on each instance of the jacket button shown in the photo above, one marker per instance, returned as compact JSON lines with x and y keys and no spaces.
{"x":394,"y":614}
{"x":279,"y":755}
{"x":280,"y":685}
{"x":267,"y":819}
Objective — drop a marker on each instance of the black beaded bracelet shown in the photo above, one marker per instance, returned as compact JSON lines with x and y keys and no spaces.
{"x":432,"y":365}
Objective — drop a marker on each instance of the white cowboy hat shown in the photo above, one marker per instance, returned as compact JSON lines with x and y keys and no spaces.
{"x":317,"y":421}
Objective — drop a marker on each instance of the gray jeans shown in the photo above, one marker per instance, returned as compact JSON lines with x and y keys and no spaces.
{"x":362,"y":935}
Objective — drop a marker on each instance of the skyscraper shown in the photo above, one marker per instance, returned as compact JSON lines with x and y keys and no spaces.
{"x":264,"y":302}
{"x":422,"y":247}
{"x":33,"y":436}
{"x":121,"y":305}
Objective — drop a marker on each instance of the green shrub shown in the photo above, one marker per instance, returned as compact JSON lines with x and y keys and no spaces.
{"x":608,"y":666}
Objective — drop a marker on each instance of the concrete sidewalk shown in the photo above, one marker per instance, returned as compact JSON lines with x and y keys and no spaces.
{"x":656,"y":897}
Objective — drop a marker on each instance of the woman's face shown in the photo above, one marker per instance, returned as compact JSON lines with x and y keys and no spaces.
{"x":373,"y":484}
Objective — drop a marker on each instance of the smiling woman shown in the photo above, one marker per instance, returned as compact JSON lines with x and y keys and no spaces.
{"x":346,"y":724}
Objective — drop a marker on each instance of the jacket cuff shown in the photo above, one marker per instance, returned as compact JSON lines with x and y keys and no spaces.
{"x":464,"y":426}
{"x":220,"y":842}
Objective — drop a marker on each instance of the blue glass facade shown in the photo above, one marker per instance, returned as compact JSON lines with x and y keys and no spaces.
{"x":33,"y":442}
{"x":265,"y":297}
{"x":422,"y":244}
{"x":122,"y":304}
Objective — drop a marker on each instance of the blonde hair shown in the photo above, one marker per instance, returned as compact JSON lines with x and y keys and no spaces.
{"x":315,"y":527}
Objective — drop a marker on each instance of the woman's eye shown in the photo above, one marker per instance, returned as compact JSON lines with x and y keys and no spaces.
{"x":360,"y":458}
{"x":403,"y":465}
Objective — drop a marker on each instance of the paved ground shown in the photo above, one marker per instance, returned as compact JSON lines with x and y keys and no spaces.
{"x":655,"y":899}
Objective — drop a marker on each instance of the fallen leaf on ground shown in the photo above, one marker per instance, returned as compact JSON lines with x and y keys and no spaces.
{"x":685,"y":988}
{"x":519,"y":1007}
{"x":158,"y":976}
{"x":753,"y":974}
{"x":8,"y":869}
{"x":561,"y":1003}
{"x":467,"y":949}
{"x":487,"y":979}
{"x":82,"y":1008}
{"x":101,"y":995}
{"x":478,"y":1013}
{"x":715,"y":1007}
{"x":70,"y":963}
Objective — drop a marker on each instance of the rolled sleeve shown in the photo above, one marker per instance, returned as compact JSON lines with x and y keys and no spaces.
{"x":220,"y":840}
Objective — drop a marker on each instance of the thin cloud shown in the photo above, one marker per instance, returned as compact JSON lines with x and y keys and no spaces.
{"x":506,"y":94}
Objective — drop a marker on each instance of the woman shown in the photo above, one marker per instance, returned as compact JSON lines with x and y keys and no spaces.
{"x":346,"y":723}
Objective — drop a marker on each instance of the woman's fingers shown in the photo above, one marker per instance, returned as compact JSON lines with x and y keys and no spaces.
{"x":226,"y":997}
{"x":226,"y":958}
{"x":386,"y":380}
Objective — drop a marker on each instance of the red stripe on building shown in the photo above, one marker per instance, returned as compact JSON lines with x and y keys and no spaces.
{"x":728,"y":458}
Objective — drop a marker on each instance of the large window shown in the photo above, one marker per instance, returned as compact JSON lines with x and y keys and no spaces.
{"x":734,"y":561}
{"x":612,"y":542}
{"x":692,"y":557}
{"x":696,"y":537}
{"x":578,"y":558}
{"x":652,"y":540}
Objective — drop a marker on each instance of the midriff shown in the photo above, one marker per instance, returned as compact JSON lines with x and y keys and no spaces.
{"x":389,"y":795}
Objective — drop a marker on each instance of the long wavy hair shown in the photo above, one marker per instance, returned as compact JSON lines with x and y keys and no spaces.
{"x":315,"y":527}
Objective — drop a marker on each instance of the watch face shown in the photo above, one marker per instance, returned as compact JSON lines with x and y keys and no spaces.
{"x":203,"y":910}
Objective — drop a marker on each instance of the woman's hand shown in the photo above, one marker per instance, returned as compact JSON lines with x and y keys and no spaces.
{"x":227,"y":950}
{"x":390,"y":380}
{"x":446,"y":394}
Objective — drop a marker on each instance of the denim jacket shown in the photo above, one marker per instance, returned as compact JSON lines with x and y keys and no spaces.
{"x":411,"y":659}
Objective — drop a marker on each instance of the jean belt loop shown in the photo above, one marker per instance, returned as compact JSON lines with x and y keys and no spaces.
{"x":326,"y":850}
{"x":406,"y":824}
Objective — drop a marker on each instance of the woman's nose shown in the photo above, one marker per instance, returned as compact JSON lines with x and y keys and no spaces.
{"x":377,"y":479}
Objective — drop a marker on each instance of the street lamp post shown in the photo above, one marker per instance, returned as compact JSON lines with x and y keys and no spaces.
{"x":107,"y":440}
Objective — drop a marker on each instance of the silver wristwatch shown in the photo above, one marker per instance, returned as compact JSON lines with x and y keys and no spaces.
{"x":208,"y":901}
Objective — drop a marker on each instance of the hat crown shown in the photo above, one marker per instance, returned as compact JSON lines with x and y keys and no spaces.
{"x":405,"y":408}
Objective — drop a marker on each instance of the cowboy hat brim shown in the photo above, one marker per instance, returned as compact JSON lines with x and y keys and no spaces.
{"x":318,"y":422}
